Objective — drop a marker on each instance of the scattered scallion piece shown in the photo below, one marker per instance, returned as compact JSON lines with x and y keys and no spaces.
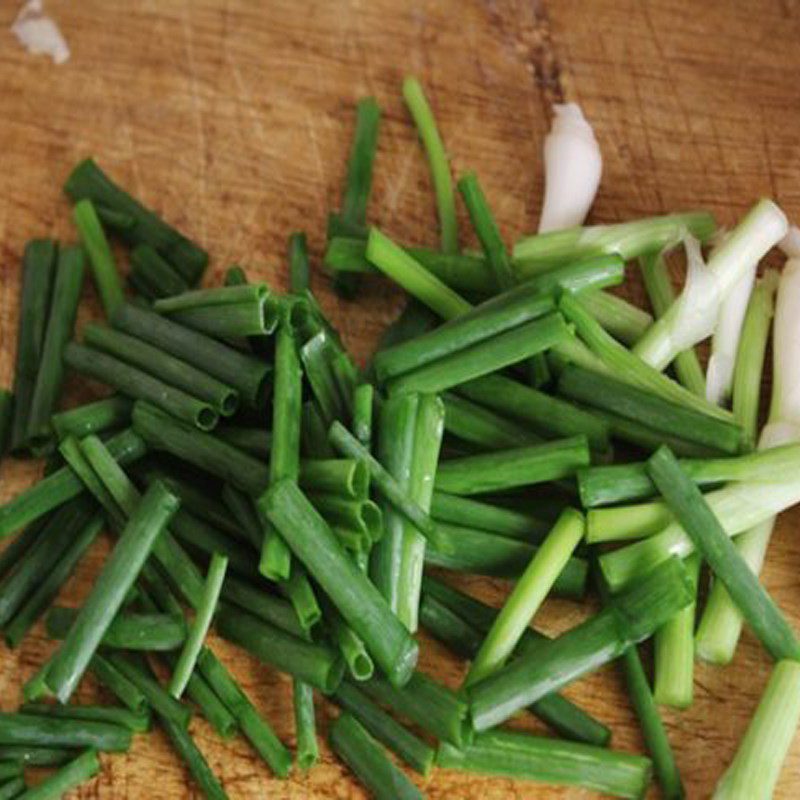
{"x":67,"y":778}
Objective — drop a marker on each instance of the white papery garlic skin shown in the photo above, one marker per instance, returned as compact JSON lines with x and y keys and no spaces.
{"x":39,"y":34}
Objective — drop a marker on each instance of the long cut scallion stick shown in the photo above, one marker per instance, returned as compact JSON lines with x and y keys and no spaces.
{"x":305,"y":726}
{"x":67,"y":778}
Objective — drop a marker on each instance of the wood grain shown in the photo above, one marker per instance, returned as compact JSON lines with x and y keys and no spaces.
{"x":233,"y":119}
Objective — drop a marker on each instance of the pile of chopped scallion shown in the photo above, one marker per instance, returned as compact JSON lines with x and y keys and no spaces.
{"x":517,"y":420}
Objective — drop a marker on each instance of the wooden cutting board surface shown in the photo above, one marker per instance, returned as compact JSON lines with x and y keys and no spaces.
{"x":234,"y":118}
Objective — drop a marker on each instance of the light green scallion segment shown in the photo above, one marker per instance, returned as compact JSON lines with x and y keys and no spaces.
{"x":674,"y":651}
{"x":623,"y":320}
{"x":755,"y":769}
{"x":528,"y":595}
{"x":402,"y":268}
{"x":437,"y":159}
{"x":659,"y":289}
{"x":199,"y":627}
{"x":104,"y":269}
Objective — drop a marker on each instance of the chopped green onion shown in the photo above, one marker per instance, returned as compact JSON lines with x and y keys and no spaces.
{"x":305,"y":724}
{"x":620,"y":318}
{"x":67,"y":778}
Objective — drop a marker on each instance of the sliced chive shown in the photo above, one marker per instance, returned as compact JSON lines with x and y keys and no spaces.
{"x":477,"y":425}
{"x":486,"y":357}
{"x":506,"y":469}
{"x":32,"y":729}
{"x":363,"y":516}
{"x":344,"y":477}
{"x":658,"y":285}
{"x":305,"y":725}
{"x":200,"y":626}
{"x":486,"y":228}
{"x":14,"y":788}
{"x":195,"y":761}
{"x":316,"y":358}
{"x":32,"y":756}
{"x":354,"y":745}
{"x":154,"y":362}
{"x":402,"y":268}
{"x":154,"y":274}
{"x":363,"y":413}
{"x":397,"y":427}
{"x":16,"y":549}
{"x":97,"y":417}
{"x":70,"y":449}
{"x":299,"y":269}
{"x":428,"y":703}
{"x":67,"y":778}
{"x":546,"y":414}
{"x":255,"y":441}
{"x":356,"y":599}
{"x":313,"y":433}
{"x":10,"y":770}
{"x":38,"y":273}
{"x":242,"y":372}
{"x":422,"y":115}
{"x":67,"y":286}
{"x":106,"y":276}
{"x":109,"y":590}
{"x":256,"y":729}
{"x":120,"y":686}
{"x":704,"y":529}
{"x":351,"y":646}
{"x":634,"y":615}
{"x":522,"y":756}
{"x":620,"y":318}
{"x":163,"y":432}
{"x":137,"y":722}
{"x":429,"y":428}
{"x":302,"y":597}
{"x":481,"y":515}
{"x":139,"y":385}
{"x":527,"y":596}
{"x":406,"y":745}
{"x":628,"y":239}
{"x":315,"y":664}
{"x":674,"y":651}
{"x":245,"y":514}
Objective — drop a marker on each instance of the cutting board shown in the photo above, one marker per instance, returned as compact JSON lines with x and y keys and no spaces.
{"x":233,"y":119}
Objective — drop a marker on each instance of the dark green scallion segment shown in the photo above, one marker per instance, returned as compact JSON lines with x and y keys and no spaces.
{"x":632,"y":616}
{"x":499,"y":314}
{"x":356,"y":747}
{"x":63,"y":310}
{"x":46,"y":589}
{"x":352,"y":220}
{"x":67,"y":778}
{"x":246,"y":374}
{"x":314,"y":434}
{"x":545,"y":414}
{"x":502,"y":521}
{"x":536,"y":758}
{"x":305,"y":726}
{"x":9,"y":770}
{"x":32,"y":756}
{"x":427,"y":703}
{"x":244,"y":513}
{"x":697,"y":519}
{"x":137,"y":722}
{"x":16,"y":549}
{"x":506,"y":469}
{"x":12,"y":789}
{"x":618,"y":397}
{"x":154,"y":274}
{"x":344,"y":477}
{"x":260,"y":603}
{"x":299,"y":268}
{"x":194,"y":759}
{"x":662,"y":295}
{"x":485,"y":357}
{"x":315,"y":664}
{"x":38,"y":273}
{"x":32,"y":729}
{"x":104,"y":269}
{"x":479,"y":426}
{"x":316,"y":357}
{"x":139,"y":385}
{"x":390,"y":733}
{"x":70,"y":449}
{"x":6,"y":420}
{"x":127,"y":631}
{"x":356,"y":599}
{"x":112,"y":585}
{"x":110,"y":677}
{"x":428,"y":433}
{"x":203,"y":450}
{"x":362,"y":516}
{"x":486,"y":228}
{"x":97,"y":417}
{"x":87,"y":180}
{"x":350,"y":644}
{"x":364,"y":413}
{"x":423,"y":118}
{"x":224,"y":312}
{"x":172,"y":371}
{"x":116,"y":220}
{"x":163,"y":703}
{"x":62,"y":527}
{"x":477,"y":552}
{"x":257,"y":731}
{"x":414,"y":320}
{"x":255,"y":441}
{"x":463,"y":272}
{"x":303,"y":599}
{"x":284,"y":463}
{"x":200,"y":626}
{"x":543,"y":251}
{"x":62,"y":485}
